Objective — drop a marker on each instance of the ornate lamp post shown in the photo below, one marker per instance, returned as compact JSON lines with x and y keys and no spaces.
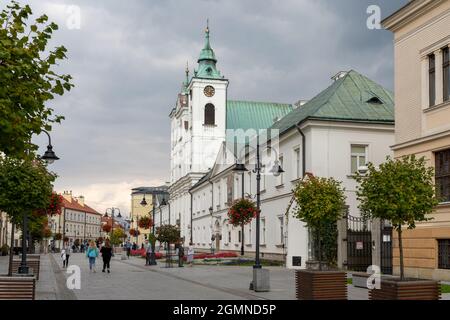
{"x":112,"y":220}
{"x":260,"y":279}
{"x":49,"y":157}
{"x":144,"y":203}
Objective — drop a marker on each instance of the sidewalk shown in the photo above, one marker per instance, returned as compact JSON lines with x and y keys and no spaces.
{"x":46,"y":287}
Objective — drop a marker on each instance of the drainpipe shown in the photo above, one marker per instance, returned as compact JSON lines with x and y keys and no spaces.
{"x":303,"y":150}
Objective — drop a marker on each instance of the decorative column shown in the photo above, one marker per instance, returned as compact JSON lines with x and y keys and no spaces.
{"x":439,"y":77}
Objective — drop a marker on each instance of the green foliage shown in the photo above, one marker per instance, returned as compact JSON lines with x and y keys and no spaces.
{"x":38,"y":227}
{"x":27,"y":79}
{"x":25,"y":186}
{"x":117,"y":236}
{"x":4,"y":250}
{"x":241,"y":212}
{"x":319,"y":201}
{"x":329,"y":245}
{"x":168,"y":234}
{"x":151,"y":238}
{"x":401,"y":191}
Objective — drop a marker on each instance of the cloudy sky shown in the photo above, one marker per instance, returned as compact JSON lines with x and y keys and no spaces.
{"x":128,"y":60}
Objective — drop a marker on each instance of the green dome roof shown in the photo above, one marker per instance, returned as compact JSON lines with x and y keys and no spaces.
{"x":207,"y":61}
{"x":207,"y":52}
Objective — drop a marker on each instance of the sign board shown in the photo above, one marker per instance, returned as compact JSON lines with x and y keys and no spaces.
{"x":386,"y":238}
{"x":359,"y":245}
{"x":296,"y":261}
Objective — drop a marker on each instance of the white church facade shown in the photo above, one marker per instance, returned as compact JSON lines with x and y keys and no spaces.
{"x":346,"y":125}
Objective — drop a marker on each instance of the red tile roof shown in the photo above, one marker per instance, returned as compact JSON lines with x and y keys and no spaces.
{"x":75,"y":205}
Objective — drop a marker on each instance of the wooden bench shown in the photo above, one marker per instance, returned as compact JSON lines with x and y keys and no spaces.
{"x":17,"y":288}
{"x":34,"y":265}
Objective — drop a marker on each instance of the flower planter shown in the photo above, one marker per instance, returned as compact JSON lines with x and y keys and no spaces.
{"x":321,"y":285}
{"x":409,"y":289}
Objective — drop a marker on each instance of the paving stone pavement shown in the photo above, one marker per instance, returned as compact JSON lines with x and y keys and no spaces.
{"x":131,"y":279}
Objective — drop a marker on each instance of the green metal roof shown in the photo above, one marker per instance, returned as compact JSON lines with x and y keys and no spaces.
{"x":254,"y":115}
{"x":345,"y":100}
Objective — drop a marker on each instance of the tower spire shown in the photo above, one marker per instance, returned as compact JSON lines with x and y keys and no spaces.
{"x":207,"y":59}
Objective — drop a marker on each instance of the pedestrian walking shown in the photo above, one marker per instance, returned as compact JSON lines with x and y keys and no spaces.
{"x":190,"y":254}
{"x":148,"y":252}
{"x":65,"y":254}
{"x":128,"y":248}
{"x":180,"y":255}
{"x":106,"y":252}
{"x":134,"y":246}
{"x":92,"y":254}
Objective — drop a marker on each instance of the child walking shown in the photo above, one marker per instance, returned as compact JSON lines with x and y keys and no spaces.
{"x":92,"y":254}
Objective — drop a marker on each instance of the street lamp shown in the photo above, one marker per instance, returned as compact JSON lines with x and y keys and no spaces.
{"x":112,"y":220}
{"x":260,"y":278}
{"x":50,"y":157}
{"x":144,"y":203}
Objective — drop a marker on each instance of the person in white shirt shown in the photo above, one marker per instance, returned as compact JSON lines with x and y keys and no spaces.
{"x":190,"y":254}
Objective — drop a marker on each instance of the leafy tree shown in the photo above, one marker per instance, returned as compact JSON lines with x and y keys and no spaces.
{"x":168,"y":234}
{"x":400,"y":191}
{"x":117,"y":236}
{"x":320,"y":203}
{"x":25,"y":186}
{"x":27,"y":79}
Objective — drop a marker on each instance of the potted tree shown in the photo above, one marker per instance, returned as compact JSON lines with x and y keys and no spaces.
{"x":319,"y":204}
{"x":168,"y":234}
{"x":402,"y":192}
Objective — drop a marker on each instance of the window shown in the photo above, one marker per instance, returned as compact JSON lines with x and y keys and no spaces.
{"x":358,"y":157}
{"x":239,"y":236}
{"x":374,"y":100}
{"x":229,"y":190}
{"x":229,"y":236}
{"x":186,"y":125}
{"x":432,"y":79}
{"x":249,"y":237}
{"x":297,"y":159}
{"x":446,"y":73}
{"x":210,"y":115}
{"x":442,"y":175}
{"x":281,"y":176}
{"x":444,"y":254}
{"x":263,"y":231}
{"x":281,"y":222}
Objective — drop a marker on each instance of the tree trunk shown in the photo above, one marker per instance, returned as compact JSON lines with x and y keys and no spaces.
{"x":400,"y":246}
{"x":242,"y":243}
{"x":11,"y":250}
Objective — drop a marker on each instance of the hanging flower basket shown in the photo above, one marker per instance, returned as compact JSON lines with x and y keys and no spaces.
{"x":241,"y":212}
{"x":66,"y":239}
{"x":106,"y":228}
{"x":54,"y":207}
{"x":145,"y":222}
{"x":57,"y":236}
{"x":134,"y":232}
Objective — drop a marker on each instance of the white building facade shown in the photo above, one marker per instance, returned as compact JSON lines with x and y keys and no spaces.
{"x":348,"y":124}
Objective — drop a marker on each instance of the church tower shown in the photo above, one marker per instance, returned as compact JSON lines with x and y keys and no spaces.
{"x":207,"y":93}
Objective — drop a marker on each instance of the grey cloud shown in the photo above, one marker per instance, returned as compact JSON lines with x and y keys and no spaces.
{"x":128,"y":63}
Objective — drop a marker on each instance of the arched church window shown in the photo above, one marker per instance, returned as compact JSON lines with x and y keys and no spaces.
{"x":210,"y":114}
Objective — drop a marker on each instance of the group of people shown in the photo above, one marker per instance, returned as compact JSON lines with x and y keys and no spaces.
{"x":92,"y":253}
{"x":106,"y":252}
